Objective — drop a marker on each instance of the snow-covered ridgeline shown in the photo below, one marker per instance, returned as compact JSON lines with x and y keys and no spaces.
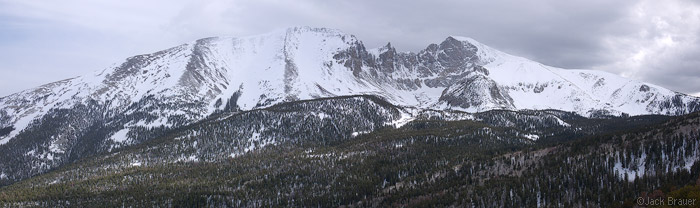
{"x":196,"y":79}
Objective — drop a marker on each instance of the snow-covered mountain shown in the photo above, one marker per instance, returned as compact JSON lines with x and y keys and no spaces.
{"x":147,"y":94}
{"x":193,"y":80}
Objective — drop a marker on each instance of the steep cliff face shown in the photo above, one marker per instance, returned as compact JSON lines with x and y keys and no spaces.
{"x":476,"y":93}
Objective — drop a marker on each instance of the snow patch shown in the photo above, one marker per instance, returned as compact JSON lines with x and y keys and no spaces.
{"x":532,"y":137}
{"x":631,"y":175}
{"x":562,"y":123}
{"x":322,"y":115}
{"x":256,"y":142}
{"x":54,"y":147}
{"x":406,"y":117}
{"x":191,"y":158}
{"x":120,"y":136}
{"x":358,"y":133}
{"x":20,"y":124}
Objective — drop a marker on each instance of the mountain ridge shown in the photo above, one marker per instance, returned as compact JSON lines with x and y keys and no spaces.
{"x":150,"y":94}
{"x":404,"y":78}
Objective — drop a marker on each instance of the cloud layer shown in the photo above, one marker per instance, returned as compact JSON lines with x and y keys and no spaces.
{"x":654,"y":41}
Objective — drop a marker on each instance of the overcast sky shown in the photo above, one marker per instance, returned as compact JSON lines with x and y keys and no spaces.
{"x":655,"y":41}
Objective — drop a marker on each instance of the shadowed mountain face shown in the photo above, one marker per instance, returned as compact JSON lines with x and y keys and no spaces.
{"x":149,"y":96}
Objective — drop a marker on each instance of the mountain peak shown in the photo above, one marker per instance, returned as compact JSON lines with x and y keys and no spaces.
{"x":309,"y":62}
{"x":464,"y":39}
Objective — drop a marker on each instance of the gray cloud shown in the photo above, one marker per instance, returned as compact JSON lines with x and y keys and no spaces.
{"x":654,"y":42}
